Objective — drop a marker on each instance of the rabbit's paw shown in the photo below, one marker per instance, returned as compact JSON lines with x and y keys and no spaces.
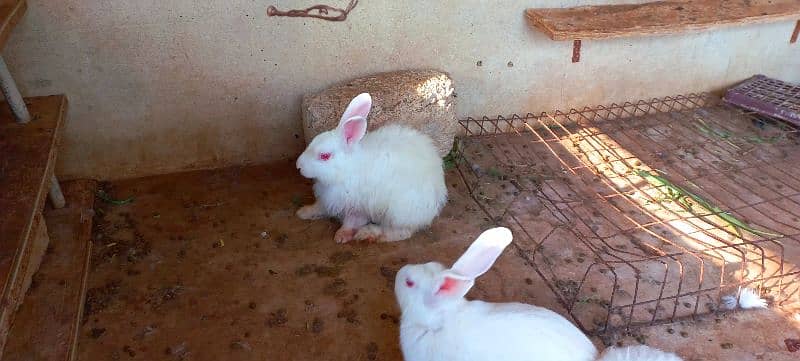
{"x":370,"y":232}
{"x":344,"y":235}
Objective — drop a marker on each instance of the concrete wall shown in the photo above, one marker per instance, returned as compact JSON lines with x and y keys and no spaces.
{"x":165,"y":85}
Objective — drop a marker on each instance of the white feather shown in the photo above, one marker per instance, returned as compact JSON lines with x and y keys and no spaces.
{"x":748,"y":298}
{"x":637,"y":353}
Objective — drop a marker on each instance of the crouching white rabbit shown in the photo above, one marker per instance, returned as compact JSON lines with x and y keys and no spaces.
{"x":438,"y":324}
{"x":385,"y":185}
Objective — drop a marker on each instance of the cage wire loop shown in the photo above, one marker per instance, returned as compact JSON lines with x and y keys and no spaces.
{"x":618,"y":251}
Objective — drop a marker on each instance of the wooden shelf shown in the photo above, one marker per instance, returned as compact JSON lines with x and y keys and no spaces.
{"x":27,"y":158}
{"x":10,"y":13}
{"x":44,"y":329}
{"x":660,"y":17}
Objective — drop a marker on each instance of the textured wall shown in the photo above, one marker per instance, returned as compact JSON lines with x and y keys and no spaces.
{"x":164,"y":85}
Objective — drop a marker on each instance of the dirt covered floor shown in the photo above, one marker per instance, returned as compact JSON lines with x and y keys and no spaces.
{"x":214,"y":265}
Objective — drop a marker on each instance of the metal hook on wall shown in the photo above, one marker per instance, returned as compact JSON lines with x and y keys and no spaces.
{"x":324,"y":12}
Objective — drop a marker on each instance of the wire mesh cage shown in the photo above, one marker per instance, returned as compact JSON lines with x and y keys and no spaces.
{"x":644,"y":212}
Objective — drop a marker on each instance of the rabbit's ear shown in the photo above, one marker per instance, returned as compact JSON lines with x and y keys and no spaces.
{"x":479,"y":257}
{"x":353,"y":130}
{"x":449,"y":285}
{"x":359,"y":107}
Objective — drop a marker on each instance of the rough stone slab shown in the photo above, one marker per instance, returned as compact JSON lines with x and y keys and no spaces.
{"x":421,"y":99}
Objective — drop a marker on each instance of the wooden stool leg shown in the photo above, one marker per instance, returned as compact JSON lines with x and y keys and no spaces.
{"x":13,"y":97}
{"x":56,"y":197}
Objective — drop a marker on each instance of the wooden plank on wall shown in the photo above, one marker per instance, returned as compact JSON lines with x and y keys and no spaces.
{"x":660,"y":17}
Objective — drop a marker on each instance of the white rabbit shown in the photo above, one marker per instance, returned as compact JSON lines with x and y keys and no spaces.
{"x":439,"y":324}
{"x":385,"y":186}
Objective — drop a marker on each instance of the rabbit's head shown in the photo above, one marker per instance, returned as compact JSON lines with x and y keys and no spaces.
{"x":326,"y":157}
{"x":426,"y":291}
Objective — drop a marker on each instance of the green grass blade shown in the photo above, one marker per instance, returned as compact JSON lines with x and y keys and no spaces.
{"x":106,"y":198}
{"x":677,"y":193}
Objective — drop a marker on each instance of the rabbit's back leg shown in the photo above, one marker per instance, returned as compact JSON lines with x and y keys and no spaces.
{"x":374,"y":232}
{"x":312,"y":211}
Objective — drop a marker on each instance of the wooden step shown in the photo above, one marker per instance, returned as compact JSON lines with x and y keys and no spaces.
{"x":659,"y":17}
{"x":27,"y":158}
{"x":46,"y":326}
{"x":10,"y":13}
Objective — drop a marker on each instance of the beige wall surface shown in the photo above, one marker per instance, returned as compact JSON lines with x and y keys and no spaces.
{"x":165,"y":85}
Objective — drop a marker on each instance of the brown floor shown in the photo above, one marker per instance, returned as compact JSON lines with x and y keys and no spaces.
{"x":214,"y":265}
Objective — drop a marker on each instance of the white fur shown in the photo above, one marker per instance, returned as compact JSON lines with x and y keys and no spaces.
{"x":392,"y":177}
{"x":748,"y":298}
{"x":438,"y":324}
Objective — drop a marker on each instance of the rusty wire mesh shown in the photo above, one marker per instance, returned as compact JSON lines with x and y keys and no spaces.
{"x":618,"y":251}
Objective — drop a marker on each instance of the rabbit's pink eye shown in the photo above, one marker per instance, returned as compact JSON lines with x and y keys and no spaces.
{"x":409,"y":283}
{"x":324,"y":156}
